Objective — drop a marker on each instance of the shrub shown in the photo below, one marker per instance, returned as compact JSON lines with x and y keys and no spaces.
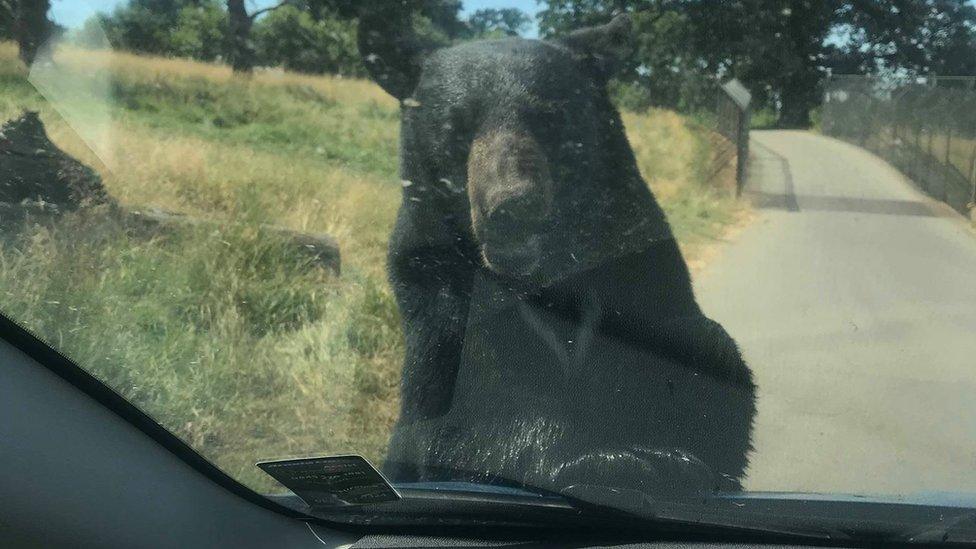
{"x":200,"y":33}
{"x":291,"y":38}
{"x":172,"y":28}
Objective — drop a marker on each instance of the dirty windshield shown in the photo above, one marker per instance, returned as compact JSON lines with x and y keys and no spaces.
{"x":667,"y":248}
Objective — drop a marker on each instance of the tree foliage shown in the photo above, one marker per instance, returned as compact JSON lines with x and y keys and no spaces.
{"x":923,"y":37}
{"x":781,"y":49}
{"x":189,"y":28}
{"x":498,"y":22}
{"x":315,"y":36}
{"x":6,"y":19}
{"x":200,"y":32}
{"x":294,"y":39}
{"x":26,"y":22}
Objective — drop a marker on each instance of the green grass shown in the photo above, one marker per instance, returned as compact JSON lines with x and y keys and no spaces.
{"x":225,"y":333}
{"x":766,"y":118}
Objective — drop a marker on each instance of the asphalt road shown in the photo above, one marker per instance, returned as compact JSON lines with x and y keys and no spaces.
{"x":853,"y":298}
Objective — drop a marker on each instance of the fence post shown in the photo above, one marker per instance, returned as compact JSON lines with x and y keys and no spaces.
{"x":741,"y":98}
{"x":917,"y":151}
{"x":947,"y":173}
{"x":972,"y":177}
{"x":742,"y":151}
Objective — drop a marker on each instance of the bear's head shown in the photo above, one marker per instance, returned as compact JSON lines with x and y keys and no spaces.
{"x":514,"y":145}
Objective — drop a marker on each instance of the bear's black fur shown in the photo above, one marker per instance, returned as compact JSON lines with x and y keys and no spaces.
{"x":33,"y":168}
{"x":561,"y":344}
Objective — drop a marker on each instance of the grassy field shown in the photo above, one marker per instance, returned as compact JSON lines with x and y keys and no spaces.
{"x":228,"y":336}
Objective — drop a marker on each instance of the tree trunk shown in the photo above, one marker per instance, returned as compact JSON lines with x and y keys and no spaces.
{"x":798,"y":96}
{"x":242,"y":54}
{"x":793,"y":114}
{"x":31,"y":27}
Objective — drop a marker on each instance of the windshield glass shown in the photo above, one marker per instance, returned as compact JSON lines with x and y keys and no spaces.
{"x":673,"y":248}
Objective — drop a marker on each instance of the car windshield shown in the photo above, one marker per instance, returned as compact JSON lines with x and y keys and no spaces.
{"x":577,"y":247}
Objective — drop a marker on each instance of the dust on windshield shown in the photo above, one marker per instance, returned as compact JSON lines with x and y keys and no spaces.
{"x":677,"y":248}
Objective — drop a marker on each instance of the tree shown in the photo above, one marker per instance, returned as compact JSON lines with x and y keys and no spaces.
{"x":440,"y":17}
{"x":200,"y":32}
{"x":781,"y":49}
{"x":437,"y":19}
{"x":92,"y":35}
{"x":667,"y":65}
{"x":6,"y":19}
{"x":147,"y":26}
{"x":242,"y":52}
{"x":26,"y":22}
{"x":294,"y":39}
{"x":923,"y":37}
{"x":498,"y":22}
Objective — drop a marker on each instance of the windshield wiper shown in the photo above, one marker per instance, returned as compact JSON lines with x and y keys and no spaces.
{"x":782,"y":516}
{"x":589,"y":508}
{"x":449,"y":503}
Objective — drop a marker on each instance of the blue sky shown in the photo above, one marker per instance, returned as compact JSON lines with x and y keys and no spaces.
{"x":72,"y":13}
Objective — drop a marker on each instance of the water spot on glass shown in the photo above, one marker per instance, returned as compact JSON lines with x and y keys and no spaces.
{"x":450,"y":185}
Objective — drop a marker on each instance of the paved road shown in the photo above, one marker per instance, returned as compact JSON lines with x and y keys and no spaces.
{"x":853,"y":297}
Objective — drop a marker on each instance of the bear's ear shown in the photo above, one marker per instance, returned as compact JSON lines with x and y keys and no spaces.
{"x":605,"y":46}
{"x":392,"y":51}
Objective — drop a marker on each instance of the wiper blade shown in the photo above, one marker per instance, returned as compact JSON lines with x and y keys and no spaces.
{"x":448,"y":503}
{"x":782,"y":516}
{"x":582,"y":507}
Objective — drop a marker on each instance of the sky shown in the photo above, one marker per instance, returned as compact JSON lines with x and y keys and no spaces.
{"x":72,"y":13}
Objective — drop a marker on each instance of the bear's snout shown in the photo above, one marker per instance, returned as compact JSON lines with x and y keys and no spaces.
{"x":511,"y":196}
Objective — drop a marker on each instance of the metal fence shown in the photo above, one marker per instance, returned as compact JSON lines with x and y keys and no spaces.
{"x":733,"y":118}
{"x":725,"y":109}
{"x":926,"y":127}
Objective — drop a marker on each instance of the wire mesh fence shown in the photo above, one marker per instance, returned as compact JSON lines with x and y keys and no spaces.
{"x":734,"y":114}
{"x":725,"y":109}
{"x":925,"y":127}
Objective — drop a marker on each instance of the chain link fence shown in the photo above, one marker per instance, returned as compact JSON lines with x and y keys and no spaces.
{"x":925,"y":127}
{"x":734,"y":117}
{"x":725,"y":109}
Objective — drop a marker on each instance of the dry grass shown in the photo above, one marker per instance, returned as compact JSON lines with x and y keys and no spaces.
{"x":148,"y":68}
{"x":226,"y":336}
{"x":679,"y":160}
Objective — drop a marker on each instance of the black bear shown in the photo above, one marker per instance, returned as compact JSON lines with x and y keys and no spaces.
{"x":553,"y":338}
{"x":33,"y":168}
